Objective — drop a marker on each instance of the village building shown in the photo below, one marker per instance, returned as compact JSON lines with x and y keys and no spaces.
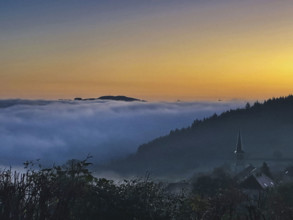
{"x":252,"y":180}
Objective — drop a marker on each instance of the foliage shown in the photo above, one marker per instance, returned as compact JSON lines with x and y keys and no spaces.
{"x":210,"y":185}
{"x":266,"y":170}
{"x":72,"y":192}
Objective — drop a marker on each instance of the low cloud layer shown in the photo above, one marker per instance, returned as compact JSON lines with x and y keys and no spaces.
{"x":55,"y":131}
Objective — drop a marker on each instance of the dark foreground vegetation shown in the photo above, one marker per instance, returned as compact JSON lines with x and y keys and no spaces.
{"x":72,"y":192}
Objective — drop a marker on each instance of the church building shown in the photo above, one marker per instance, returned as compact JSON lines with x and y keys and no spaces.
{"x":239,"y":155}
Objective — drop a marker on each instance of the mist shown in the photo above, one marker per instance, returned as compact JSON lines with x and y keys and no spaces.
{"x":55,"y":131}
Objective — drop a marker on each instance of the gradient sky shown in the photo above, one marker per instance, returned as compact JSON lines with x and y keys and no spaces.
{"x":150,"y":49}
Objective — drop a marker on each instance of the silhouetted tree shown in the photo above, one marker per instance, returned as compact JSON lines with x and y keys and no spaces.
{"x":247,"y":106}
{"x":266,"y":170}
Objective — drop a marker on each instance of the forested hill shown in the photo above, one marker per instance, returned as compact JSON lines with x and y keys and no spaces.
{"x":266,"y":128}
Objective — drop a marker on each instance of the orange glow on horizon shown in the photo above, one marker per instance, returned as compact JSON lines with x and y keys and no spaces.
{"x":200,"y":53}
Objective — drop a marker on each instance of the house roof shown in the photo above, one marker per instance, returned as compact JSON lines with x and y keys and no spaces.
{"x":245,"y":173}
{"x":257,"y":182}
{"x":264,"y":181}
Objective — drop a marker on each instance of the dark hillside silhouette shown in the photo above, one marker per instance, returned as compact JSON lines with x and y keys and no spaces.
{"x":267,"y":131}
{"x":120,"y":98}
{"x":110,"y":97}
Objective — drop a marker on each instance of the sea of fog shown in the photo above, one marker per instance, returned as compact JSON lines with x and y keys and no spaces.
{"x":55,"y":131}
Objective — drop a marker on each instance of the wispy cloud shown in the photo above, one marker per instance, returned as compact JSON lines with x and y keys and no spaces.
{"x":55,"y":131}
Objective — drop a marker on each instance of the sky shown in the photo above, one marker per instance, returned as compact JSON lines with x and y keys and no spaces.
{"x":158,"y":50}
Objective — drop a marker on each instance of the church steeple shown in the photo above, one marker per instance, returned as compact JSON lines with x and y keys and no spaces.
{"x":239,"y":154}
{"x":239,"y":144}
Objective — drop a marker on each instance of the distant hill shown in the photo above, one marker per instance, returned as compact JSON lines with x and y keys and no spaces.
{"x":114,"y":98}
{"x":119,"y":98}
{"x":267,"y":133}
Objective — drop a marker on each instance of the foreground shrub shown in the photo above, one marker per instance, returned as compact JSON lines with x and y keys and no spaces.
{"x":72,"y":192}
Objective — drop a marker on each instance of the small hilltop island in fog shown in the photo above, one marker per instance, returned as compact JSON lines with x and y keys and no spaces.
{"x":6,"y":103}
{"x":113,"y":98}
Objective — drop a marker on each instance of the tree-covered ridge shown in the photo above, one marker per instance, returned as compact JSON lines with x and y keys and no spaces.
{"x":266,"y":128}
